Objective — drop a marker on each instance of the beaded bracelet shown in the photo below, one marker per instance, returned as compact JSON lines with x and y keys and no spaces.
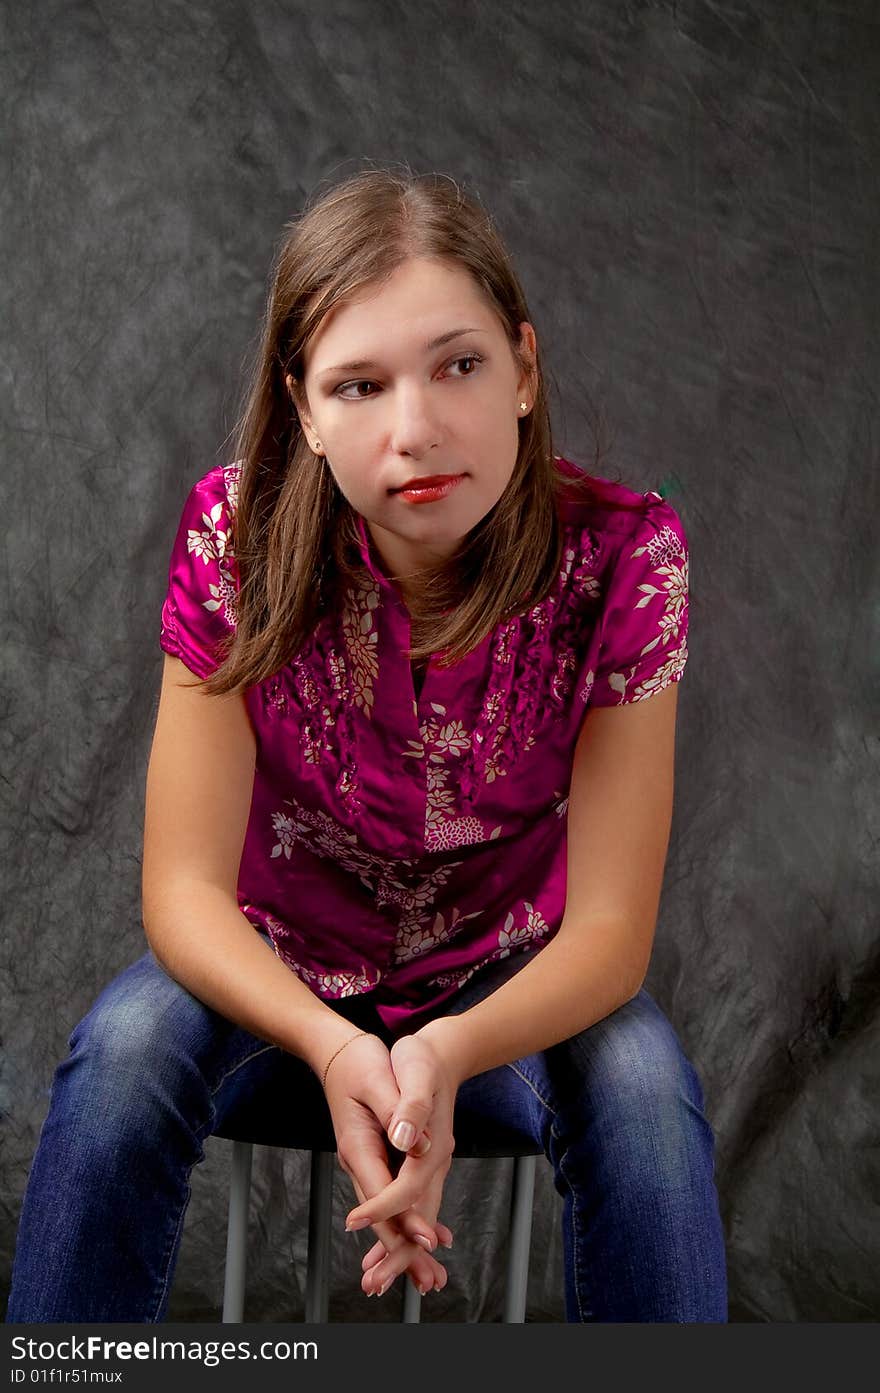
{"x":339,"y":1051}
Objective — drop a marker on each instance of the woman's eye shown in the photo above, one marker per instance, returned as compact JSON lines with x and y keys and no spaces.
{"x":468,"y":358}
{"x":361,"y":396}
{"x":345,"y":386}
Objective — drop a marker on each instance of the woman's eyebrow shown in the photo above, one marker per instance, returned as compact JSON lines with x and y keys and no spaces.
{"x":362,"y":363}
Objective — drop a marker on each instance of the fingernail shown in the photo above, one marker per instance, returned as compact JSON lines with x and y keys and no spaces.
{"x":425,"y":1242}
{"x":382,"y":1288}
{"x":352,"y":1225}
{"x":403,"y":1135}
{"x":423,"y":1291}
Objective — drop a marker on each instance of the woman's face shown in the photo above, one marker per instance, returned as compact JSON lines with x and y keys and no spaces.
{"x":388,"y":407}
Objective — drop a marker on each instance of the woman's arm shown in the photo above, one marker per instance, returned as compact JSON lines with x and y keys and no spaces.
{"x":199,"y":789}
{"x":199,"y":785}
{"x":619,"y":818}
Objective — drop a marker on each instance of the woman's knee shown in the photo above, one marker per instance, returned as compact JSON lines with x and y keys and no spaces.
{"x":141,"y":1024}
{"x":136,"y":1082}
{"x":630,"y":1063}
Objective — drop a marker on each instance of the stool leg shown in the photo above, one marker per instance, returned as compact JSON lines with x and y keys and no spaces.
{"x":412,"y":1303}
{"x":236,"y":1233}
{"x":320,"y":1216}
{"x":521,"y":1205}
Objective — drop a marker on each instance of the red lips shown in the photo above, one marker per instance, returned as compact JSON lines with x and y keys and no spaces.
{"x":429,"y":481}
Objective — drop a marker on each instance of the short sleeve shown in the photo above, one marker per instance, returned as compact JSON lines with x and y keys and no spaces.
{"x":199,"y":607}
{"x":644,"y":632}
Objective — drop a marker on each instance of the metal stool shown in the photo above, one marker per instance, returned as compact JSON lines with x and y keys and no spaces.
{"x":481,"y":1143}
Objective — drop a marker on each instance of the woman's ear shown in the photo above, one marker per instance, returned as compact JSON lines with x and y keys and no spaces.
{"x":528,"y":349}
{"x":300,"y":406}
{"x":297,"y":397}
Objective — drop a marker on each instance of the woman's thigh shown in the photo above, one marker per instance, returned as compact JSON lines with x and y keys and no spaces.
{"x":625,"y":1081}
{"x":148,"y":1045}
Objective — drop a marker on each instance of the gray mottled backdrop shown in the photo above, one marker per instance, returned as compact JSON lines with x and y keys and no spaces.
{"x":690,"y":191}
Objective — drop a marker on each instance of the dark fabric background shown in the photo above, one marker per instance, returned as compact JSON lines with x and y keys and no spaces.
{"x":690,"y":193}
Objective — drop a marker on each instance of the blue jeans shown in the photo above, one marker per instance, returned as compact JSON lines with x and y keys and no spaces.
{"x":152,"y":1072}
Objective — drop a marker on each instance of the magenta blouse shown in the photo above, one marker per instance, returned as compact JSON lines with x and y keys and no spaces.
{"x":396,"y":844}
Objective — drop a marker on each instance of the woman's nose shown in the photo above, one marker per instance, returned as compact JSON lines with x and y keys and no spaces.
{"x":414,"y":423}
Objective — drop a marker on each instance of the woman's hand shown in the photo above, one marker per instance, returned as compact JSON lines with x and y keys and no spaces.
{"x":427,"y":1086}
{"x":377,"y":1278}
{"x":364,"y":1100}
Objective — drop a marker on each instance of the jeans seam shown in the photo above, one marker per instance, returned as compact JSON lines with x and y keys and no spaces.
{"x":204,"y":1125}
{"x":235,"y":1067}
{"x":575,"y":1236}
{"x":534,"y":1089}
{"x":178,"y":1231}
{"x":575,"y":1240}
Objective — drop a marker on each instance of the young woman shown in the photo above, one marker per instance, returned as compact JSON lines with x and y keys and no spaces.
{"x":406,"y":830}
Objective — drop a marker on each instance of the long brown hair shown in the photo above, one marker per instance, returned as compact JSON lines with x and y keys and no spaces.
{"x":294,"y":534}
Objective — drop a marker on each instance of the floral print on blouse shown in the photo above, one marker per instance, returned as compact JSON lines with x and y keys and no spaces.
{"x":397,"y":843}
